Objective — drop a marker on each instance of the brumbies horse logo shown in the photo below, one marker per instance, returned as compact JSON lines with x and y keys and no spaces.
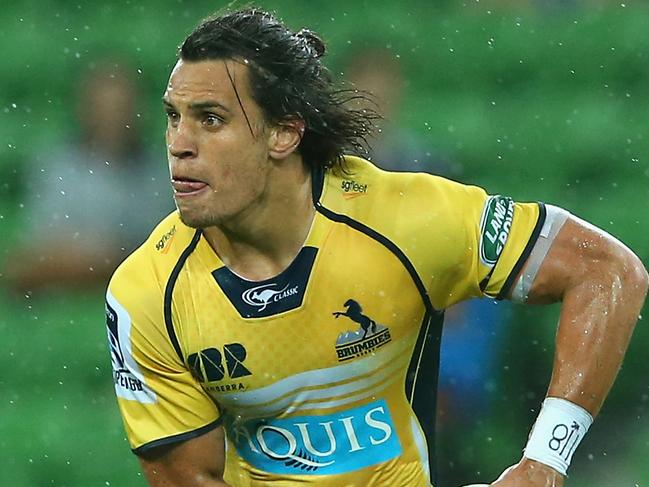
{"x":355,"y":313}
{"x":370,"y":335}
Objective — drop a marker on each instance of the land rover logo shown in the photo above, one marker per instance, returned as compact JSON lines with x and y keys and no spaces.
{"x":261,"y":296}
{"x":495,"y":225}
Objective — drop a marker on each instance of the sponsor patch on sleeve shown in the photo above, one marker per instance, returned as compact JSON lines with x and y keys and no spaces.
{"x":128,"y":379}
{"x":495,"y":225}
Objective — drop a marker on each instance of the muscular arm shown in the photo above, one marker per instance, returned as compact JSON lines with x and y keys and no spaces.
{"x":198,"y":462}
{"x":602,"y":286}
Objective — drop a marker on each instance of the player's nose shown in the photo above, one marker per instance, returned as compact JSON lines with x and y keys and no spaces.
{"x":181,"y":142}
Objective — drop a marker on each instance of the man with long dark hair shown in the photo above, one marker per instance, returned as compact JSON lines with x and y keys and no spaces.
{"x":282,"y":327}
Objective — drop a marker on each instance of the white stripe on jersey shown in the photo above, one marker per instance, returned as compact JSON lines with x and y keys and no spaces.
{"x":365,"y":374}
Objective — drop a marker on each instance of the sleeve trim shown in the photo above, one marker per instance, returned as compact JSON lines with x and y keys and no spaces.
{"x":188,"y":435}
{"x":509,"y":282}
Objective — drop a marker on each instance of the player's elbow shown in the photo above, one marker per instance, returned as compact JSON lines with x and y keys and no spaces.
{"x":638,"y":275}
{"x":628,"y":274}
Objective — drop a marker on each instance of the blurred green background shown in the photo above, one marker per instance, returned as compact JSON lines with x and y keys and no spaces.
{"x":539,"y":100}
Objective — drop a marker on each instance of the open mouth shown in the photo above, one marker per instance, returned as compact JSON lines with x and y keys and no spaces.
{"x":184,"y":186}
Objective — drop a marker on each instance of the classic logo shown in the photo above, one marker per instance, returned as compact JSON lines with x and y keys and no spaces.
{"x":368,"y":337}
{"x":167,"y":238}
{"x":207,"y":366}
{"x":318,"y":445}
{"x":495,"y":224}
{"x":352,"y":189}
{"x":260,"y":296}
{"x":279,"y":294}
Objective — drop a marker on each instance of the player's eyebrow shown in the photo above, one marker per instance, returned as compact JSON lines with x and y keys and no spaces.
{"x":198,"y":105}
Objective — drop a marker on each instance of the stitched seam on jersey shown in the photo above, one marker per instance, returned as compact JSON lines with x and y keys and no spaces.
{"x":485,"y":282}
{"x":169,"y":290}
{"x":526,"y":253}
{"x":420,"y":347}
{"x":167,"y":440}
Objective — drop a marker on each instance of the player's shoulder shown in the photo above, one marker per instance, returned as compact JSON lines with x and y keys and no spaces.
{"x":363,"y":188}
{"x":144,"y":273}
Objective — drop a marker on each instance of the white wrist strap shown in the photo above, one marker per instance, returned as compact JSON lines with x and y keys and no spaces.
{"x":558,"y":430}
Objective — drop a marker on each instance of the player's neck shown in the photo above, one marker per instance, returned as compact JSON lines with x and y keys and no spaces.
{"x":264,"y":241}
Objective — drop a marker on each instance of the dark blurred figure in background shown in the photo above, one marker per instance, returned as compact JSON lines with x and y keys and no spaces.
{"x":80,"y":197}
{"x":378,"y":71}
{"x":472,"y":329}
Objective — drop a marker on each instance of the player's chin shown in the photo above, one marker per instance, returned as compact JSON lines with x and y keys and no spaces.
{"x":193,"y":218}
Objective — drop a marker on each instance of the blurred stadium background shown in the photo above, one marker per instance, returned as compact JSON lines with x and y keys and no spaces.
{"x":539,"y":100}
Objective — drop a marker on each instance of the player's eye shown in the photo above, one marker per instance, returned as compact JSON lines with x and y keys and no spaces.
{"x":212,"y":120}
{"x":172,"y":117}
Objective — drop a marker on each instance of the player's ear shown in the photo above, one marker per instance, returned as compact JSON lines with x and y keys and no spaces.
{"x":285,"y":137}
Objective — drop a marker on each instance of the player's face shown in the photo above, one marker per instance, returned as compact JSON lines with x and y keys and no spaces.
{"x":217,"y":142}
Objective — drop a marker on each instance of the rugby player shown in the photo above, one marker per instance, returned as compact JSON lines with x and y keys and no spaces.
{"x":282,"y":327}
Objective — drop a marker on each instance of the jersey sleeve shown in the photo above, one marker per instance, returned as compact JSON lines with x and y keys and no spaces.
{"x":483,"y":243}
{"x":160,"y":401}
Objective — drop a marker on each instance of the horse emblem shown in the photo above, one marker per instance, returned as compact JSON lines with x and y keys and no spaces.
{"x":354,"y":312}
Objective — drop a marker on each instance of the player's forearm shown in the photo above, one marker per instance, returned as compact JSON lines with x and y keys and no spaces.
{"x":596,"y":323}
{"x":167,"y":478}
{"x":198,"y":462}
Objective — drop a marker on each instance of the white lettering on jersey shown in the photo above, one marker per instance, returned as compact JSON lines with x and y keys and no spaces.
{"x":129,"y":381}
{"x":495,"y":225}
{"x":261,"y":296}
{"x":336,"y":443}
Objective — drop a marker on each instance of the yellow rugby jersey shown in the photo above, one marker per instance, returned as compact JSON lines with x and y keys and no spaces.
{"x":325,"y":374}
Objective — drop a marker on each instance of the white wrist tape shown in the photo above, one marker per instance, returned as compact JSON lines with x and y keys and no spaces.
{"x":558,"y":430}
